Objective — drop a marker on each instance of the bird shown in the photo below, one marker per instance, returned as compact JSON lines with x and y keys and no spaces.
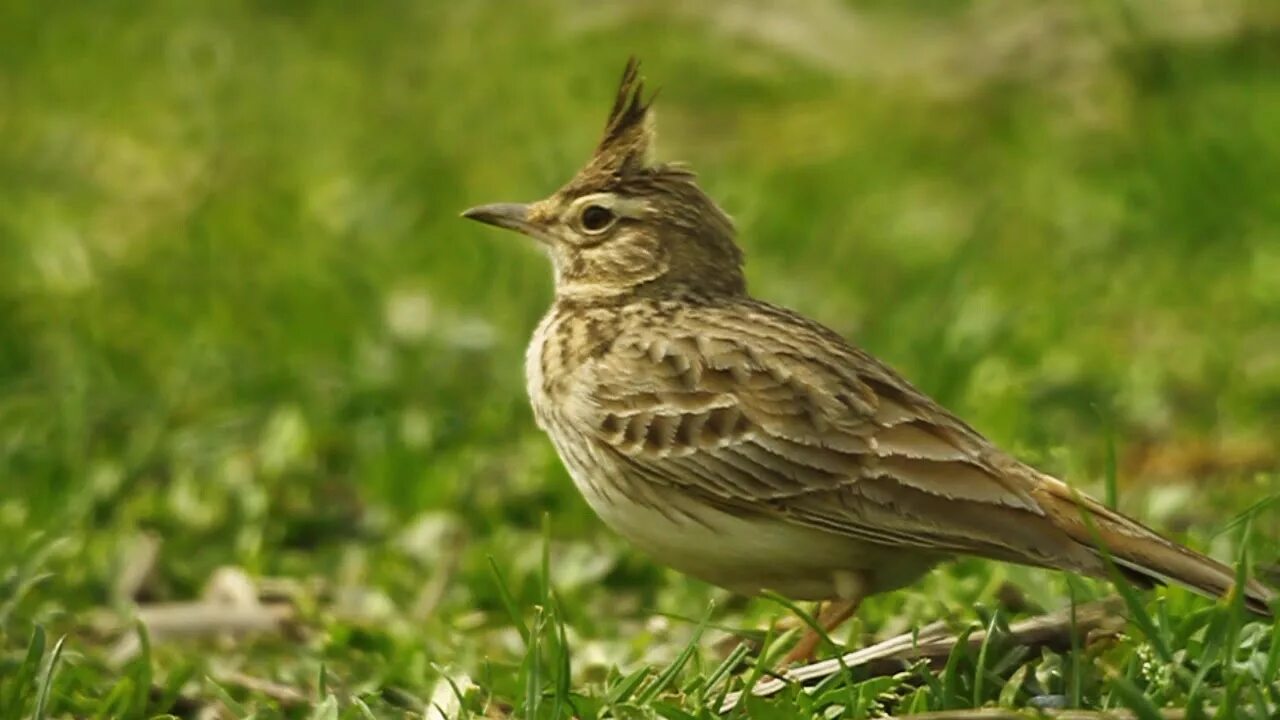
{"x":747,"y":445}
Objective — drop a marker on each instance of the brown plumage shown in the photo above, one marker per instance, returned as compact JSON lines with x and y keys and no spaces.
{"x":752,"y":447}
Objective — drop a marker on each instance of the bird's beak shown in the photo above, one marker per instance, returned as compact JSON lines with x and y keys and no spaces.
{"x":512,"y":216}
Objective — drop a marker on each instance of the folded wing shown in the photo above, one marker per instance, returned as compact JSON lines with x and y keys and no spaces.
{"x":741,"y":416}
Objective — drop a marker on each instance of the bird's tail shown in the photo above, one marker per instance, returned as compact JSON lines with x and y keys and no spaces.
{"x":1142,"y":554}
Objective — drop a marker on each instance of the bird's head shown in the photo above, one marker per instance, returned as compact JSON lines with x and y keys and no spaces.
{"x":624,"y":224}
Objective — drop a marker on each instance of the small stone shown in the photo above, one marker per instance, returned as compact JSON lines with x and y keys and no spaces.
{"x":1049,"y":702}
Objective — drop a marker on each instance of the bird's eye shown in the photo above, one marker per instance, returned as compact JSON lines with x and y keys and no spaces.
{"x":596,"y":218}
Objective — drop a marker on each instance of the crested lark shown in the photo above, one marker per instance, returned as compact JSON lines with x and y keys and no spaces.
{"x":749,"y":446}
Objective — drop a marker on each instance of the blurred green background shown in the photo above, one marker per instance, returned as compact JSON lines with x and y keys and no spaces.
{"x":239,"y":313}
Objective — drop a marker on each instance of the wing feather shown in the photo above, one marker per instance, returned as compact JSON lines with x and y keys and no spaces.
{"x":747,"y":420}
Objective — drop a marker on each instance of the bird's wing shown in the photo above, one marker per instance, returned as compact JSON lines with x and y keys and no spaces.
{"x":764,"y":412}
{"x":774,"y":415}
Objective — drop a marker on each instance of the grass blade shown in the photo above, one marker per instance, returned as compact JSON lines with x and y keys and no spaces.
{"x":1135,"y":699}
{"x":952,"y":698}
{"x":46,"y":679}
{"x":626,"y":687}
{"x":725,"y":667}
{"x":1273,"y":654}
{"x":533,"y":665}
{"x":233,"y":707}
{"x":980,"y":671}
{"x":1235,"y":607}
{"x":142,"y":671}
{"x":1137,"y":611}
{"x":1077,"y":674}
{"x":669,"y":674}
{"x":13,"y":702}
{"x":564,"y":664}
{"x":504,"y":593}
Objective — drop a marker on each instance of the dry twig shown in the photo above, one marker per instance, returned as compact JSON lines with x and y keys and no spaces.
{"x":1008,"y":714}
{"x":933,"y":644}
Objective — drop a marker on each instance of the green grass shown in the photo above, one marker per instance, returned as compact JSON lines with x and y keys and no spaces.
{"x":242,"y":325}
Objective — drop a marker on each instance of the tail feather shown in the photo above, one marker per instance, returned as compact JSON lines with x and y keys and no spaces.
{"x":1141,"y":553}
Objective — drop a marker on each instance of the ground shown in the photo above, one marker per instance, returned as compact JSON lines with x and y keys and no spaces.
{"x":255,"y":371}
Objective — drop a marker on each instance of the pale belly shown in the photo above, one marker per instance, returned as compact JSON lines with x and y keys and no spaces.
{"x":747,"y":555}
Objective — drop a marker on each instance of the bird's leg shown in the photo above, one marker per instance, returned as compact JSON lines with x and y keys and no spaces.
{"x":830,"y":617}
{"x":850,"y":586}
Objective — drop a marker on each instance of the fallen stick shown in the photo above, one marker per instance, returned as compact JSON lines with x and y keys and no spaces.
{"x":1006,"y":714}
{"x":287,"y":695}
{"x":171,"y":621}
{"x":934,"y":645}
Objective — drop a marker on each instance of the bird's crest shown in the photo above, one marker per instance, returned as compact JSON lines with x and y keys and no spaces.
{"x":628,"y":135}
